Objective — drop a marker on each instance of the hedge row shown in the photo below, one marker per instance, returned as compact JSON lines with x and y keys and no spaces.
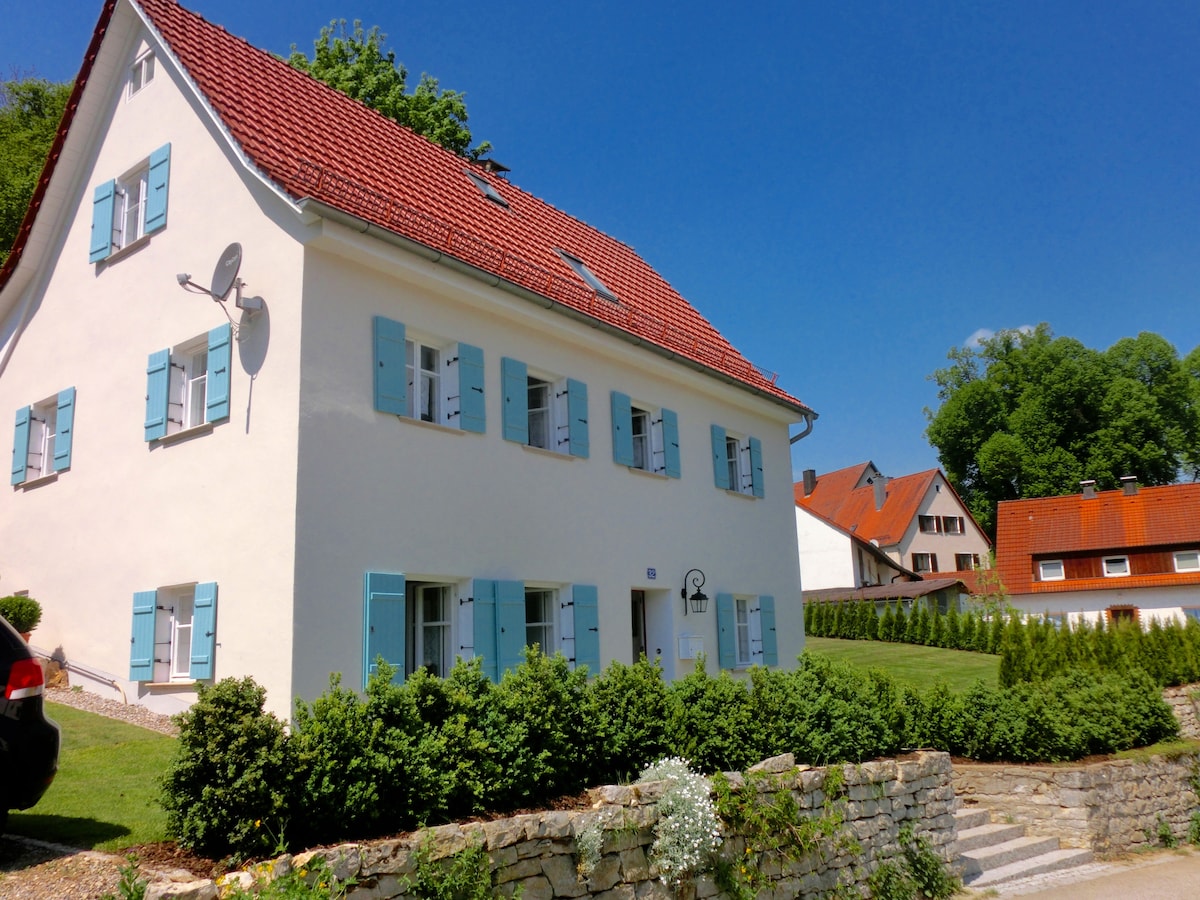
{"x":432,"y":750}
{"x":857,"y":620}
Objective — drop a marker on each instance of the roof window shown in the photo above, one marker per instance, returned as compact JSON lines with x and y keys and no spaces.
{"x":487,"y":190}
{"x":588,"y":276}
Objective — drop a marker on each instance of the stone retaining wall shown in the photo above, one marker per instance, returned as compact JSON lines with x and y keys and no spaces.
{"x":1106,"y":807}
{"x":1183,"y":703}
{"x":537,"y":852}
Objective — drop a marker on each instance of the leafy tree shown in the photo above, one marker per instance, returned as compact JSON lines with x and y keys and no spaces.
{"x":30,"y":109}
{"x":1026,"y":414}
{"x":356,"y":64}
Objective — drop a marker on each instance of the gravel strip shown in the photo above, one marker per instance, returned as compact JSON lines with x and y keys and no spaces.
{"x":132,"y":713}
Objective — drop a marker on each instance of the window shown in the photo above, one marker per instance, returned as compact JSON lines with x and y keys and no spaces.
{"x":940,"y":524}
{"x":924,"y":562}
{"x":188,"y":385}
{"x":42,"y":437}
{"x":1191,"y":612}
{"x":544,"y":411}
{"x":587,"y":275}
{"x":737,"y":462}
{"x":930,"y":524}
{"x":952,"y":524}
{"x":1116,"y":566}
{"x":645,"y":437}
{"x":129,"y":208}
{"x":428,"y":380}
{"x":485,"y":188}
{"x":746,"y":631}
{"x":539,"y":619}
{"x":174,"y":633}
{"x":431,"y":629}
{"x":965,"y":562}
{"x":1187,"y":560}
{"x":1051,"y":570}
{"x":141,"y":73}
{"x":1123,"y":614}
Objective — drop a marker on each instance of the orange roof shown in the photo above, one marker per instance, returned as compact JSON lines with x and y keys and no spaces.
{"x":316,"y":143}
{"x":1111,"y":522}
{"x":839,"y":497}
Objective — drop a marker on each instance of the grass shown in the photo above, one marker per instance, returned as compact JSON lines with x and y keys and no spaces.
{"x":910,"y":663}
{"x":105,"y":796}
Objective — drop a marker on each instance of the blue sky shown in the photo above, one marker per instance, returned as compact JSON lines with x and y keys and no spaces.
{"x":845,"y":190}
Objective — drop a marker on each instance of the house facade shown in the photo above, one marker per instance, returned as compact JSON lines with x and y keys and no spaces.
{"x":434,"y":416}
{"x":1131,"y":554}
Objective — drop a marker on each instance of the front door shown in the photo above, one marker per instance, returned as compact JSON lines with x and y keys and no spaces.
{"x":637,"y":604}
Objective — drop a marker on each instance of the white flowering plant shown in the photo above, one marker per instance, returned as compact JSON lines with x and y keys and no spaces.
{"x":688,"y":831}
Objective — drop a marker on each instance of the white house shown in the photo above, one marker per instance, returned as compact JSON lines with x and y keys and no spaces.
{"x":461,"y":421}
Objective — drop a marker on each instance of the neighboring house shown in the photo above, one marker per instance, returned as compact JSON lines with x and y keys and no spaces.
{"x":1132,"y":553}
{"x":918,"y":521}
{"x":462,"y":421}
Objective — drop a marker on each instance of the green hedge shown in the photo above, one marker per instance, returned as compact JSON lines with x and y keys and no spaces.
{"x":857,"y":620}
{"x":432,"y":750}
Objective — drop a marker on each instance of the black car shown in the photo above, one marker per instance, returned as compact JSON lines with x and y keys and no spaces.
{"x":28,"y":740}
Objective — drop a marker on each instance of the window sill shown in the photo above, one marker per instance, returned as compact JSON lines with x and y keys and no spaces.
{"x":188,"y":684}
{"x":185,"y":434}
{"x":128,"y":250}
{"x":740,"y":494}
{"x":647,"y":472}
{"x":36,"y":482}
{"x":435,"y":426}
{"x":541,"y":451}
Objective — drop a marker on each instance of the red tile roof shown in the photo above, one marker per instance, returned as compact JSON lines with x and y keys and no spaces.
{"x":837,"y":499}
{"x":315,"y":142}
{"x":1111,"y":522}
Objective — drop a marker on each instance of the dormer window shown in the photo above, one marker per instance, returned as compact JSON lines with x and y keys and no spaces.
{"x":141,"y":73}
{"x":588,"y":276}
{"x":485,"y":188}
{"x":1116,"y":566}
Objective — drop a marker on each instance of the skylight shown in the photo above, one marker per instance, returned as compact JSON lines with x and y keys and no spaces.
{"x":588,"y":276}
{"x":486,"y":189}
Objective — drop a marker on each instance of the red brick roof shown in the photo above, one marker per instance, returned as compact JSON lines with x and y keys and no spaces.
{"x":1111,"y":522}
{"x":837,"y":499}
{"x":314,"y":142}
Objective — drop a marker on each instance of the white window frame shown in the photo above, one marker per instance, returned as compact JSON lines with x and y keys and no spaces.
{"x":929,"y":524}
{"x":428,"y":403}
{"x":974,"y":559}
{"x":173,"y":617}
{"x":953,"y":525}
{"x":1187,"y":560}
{"x":1115,"y":571}
{"x":928,"y":559}
{"x":129,"y":207}
{"x":421,"y":629}
{"x":187,"y":392}
{"x":649,"y":441}
{"x":737,"y":463}
{"x":543,"y":621}
{"x":747,"y":619}
{"x":141,"y":73}
{"x":1046,"y":570}
{"x":43,"y":426}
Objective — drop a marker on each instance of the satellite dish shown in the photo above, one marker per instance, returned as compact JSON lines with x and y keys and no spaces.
{"x":226,"y":271}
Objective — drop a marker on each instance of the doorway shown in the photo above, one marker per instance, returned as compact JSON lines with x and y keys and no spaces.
{"x":637,"y":606}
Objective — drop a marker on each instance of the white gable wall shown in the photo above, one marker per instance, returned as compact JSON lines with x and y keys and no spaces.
{"x":826,"y":553}
{"x":940,"y":500}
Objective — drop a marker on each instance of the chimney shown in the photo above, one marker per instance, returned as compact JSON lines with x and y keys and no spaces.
{"x":810,"y":481}
{"x":1129,"y":485}
{"x":1089,"y":489}
{"x":879,"y":483}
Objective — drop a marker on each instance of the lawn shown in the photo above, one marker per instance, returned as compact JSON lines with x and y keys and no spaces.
{"x":105,"y":794}
{"x":910,"y":663}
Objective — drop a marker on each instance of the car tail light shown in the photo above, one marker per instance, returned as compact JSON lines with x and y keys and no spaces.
{"x":25,"y":679}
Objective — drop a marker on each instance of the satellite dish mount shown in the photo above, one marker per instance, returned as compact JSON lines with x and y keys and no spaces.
{"x":224,"y":279}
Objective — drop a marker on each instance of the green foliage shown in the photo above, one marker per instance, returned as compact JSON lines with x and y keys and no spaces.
{"x":132,"y":885}
{"x":466,"y":875}
{"x":1166,"y":836}
{"x":23,"y":613}
{"x":313,"y":882}
{"x":30,"y":110}
{"x":355,"y":63}
{"x":929,"y":873}
{"x":891,"y":882}
{"x":1193,"y":835}
{"x":713,"y":723}
{"x":628,"y":708}
{"x":233,"y":769}
{"x":1026,"y":414}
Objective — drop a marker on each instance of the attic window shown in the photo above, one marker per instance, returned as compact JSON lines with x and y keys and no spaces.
{"x":487,"y":190}
{"x":141,"y":73}
{"x":588,"y":276}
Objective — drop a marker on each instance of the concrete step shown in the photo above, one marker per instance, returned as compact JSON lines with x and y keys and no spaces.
{"x":971,"y":817}
{"x":1053,"y":861}
{"x":986,"y":836}
{"x":975,"y":862}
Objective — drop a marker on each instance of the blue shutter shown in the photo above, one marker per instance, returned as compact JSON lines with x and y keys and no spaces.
{"x":156,"y":194}
{"x":622,"y":429}
{"x":726,"y":632}
{"x":141,"y":651}
{"x":756,"y":467}
{"x":483,"y":626}
{"x":587,"y":627}
{"x":577,"y":418}
{"x":220,"y":357}
{"x":720,"y":461}
{"x":21,"y":444}
{"x":204,"y":631}
{"x":472,"y":411}
{"x":510,"y":621}
{"x":383,"y":623}
{"x":158,"y":385}
{"x":102,"y":221}
{"x":766,"y":620}
{"x":65,"y":426}
{"x":391,"y":380}
{"x":514,"y":380}
{"x":670,"y":437}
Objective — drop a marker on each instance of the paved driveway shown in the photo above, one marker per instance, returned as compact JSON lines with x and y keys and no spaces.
{"x":1161,"y":875}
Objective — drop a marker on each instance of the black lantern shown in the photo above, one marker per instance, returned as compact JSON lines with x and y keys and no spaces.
{"x":699,"y":599}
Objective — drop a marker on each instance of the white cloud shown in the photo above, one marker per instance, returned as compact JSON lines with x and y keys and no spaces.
{"x":979,"y":335}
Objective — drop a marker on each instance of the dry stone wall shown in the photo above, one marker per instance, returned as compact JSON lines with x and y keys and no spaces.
{"x":538,"y":853}
{"x":1182,"y":701}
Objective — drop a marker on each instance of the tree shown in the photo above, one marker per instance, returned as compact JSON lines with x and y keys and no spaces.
{"x":356,"y":64}
{"x":30,"y":110}
{"x":1026,"y":414}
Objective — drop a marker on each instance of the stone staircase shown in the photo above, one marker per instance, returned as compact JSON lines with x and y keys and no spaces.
{"x":988,"y":852}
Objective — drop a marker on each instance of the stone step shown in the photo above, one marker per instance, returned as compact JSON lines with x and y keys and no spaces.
{"x":971,"y":817}
{"x":975,"y":862}
{"x":1053,"y":861}
{"x":986,"y":836}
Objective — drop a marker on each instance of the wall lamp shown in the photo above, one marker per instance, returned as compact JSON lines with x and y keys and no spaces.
{"x":699,"y":599}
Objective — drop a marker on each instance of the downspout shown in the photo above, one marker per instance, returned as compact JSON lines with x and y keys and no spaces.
{"x":810,"y":419}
